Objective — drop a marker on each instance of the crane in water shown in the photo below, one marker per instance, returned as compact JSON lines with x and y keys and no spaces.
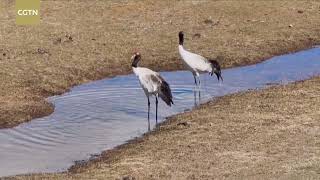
{"x":198,"y":64}
{"x":152,"y":84}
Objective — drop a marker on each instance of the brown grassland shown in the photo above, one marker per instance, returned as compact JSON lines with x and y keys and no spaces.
{"x":79,"y":41}
{"x":271,"y":133}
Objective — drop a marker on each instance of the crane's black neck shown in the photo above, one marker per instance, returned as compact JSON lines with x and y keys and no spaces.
{"x":181,"y":38}
{"x":135,"y":61}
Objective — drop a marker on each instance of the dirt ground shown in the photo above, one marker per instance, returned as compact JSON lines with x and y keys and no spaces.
{"x":266,"y":134}
{"x":78,"y":41}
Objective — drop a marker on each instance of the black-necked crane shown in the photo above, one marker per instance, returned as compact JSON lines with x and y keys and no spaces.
{"x":152,"y":84}
{"x":198,"y":64}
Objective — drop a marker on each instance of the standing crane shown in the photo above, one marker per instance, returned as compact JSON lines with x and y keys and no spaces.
{"x":198,"y":64}
{"x":152,"y":84}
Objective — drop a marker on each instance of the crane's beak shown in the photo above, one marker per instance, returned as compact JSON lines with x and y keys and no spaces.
{"x":216,"y":69}
{"x":132,"y":57}
{"x":218,"y":74}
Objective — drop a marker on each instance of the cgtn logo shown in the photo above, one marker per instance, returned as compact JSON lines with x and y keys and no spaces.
{"x":27,"y":12}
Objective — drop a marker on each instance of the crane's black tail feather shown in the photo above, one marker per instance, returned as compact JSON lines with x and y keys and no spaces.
{"x":165,"y":93}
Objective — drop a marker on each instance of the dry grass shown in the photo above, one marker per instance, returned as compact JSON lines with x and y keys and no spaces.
{"x":78,"y":41}
{"x":267,"y":134}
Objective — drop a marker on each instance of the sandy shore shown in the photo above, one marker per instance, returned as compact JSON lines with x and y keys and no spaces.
{"x":80,"y":41}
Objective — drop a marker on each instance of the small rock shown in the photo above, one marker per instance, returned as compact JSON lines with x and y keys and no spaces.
{"x":69,"y":37}
{"x":4,"y":54}
{"x":42,"y":51}
{"x":208,"y":21}
{"x":128,"y":178}
{"x":290,"y":26}
{"x":300,"y":11}
{"x":184,"y":124}
{"x":197,"y":35}
{"x":57,"y":41}
{"x":217,"y":23}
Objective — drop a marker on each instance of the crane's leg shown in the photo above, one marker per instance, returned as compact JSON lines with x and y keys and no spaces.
{"x":199,"y":86}
{"x":195,"y":98}
{"x":195,"y":80}
{"x":197,"y":76}
{"x":156,"y":109}
{"x":195,"y":88}
{"x":148,"y":114}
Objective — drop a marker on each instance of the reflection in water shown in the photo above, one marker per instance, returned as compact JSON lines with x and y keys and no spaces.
{"x":100,"y":115}
{"x":197,"y":97}
{"x":149,"y":128}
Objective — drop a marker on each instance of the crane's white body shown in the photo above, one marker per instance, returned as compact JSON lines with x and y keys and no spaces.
{"x":194,"y":62}
{"x":149,"y":86}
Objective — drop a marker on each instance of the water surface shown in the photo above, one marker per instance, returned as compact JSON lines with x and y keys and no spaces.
{"x":103,"y":114}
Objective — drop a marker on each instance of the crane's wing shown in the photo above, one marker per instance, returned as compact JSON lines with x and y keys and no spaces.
{"x":164,"y":88}
{"x":198,"y":57}
{"x":196,"y":61}
{"x":146,"y":82}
